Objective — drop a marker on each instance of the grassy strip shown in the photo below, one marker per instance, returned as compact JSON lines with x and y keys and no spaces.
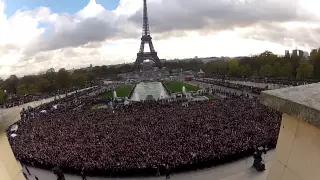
{"x":122,"y":91}
{"x":176,"y":86}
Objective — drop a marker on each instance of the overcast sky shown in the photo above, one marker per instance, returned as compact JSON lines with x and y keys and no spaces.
{"x":36,"y":35}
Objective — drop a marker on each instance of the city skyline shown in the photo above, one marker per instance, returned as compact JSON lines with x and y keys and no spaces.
{"x":36,"y":36}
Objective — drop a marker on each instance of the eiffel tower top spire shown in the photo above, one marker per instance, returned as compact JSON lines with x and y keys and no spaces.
{"x":145,"y":25}
{"x":146,"y":39}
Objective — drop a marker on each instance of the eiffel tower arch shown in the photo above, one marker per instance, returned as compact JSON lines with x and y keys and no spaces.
{"x":147,"y":39}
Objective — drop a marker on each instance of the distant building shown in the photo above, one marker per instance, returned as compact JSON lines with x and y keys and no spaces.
{"x":287,"y":53}
{"x":301,"y":53}
{"x":200,"y":73}
{"x":305,"y":54}
{"x":208,"y":59}
{"x":163,"y":60}
{"x":70,"y":70}
{"x":294,"y":53}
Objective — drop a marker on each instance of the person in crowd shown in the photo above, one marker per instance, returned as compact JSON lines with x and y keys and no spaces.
{"x":19,"y":100}
{"x":58,"y":172}
{"x":25,"y":175}
{"x":27,"y":170}
{"x":83,"y":176}
{"x":167,"y":172}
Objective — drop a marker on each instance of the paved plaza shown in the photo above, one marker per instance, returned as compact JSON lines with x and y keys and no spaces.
{"x":239,"y":170}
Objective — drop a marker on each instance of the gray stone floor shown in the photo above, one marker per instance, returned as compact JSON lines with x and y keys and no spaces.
{"x":239,"y":170}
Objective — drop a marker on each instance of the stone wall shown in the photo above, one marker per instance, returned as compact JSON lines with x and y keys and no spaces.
{"x":298,"y":151}
{"x":298,"y":147}
{"x":10,"y":168}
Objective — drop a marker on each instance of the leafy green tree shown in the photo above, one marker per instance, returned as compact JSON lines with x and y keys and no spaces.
{"x":233,"y":67}
{"x":29,"y":79}
{"x":97,"y":70}
{"x":295,"y":62}
{"x":44,"y":85}
{"x":316,"y":64}
{"x":216,"y":67}
{"x":50,"y":78}
{"x":305,"y":71}
{"x":277,"y":68}
{"x":78,"y":79}
{"x":245,"y":70}
{"x":3,"y":96}
{"x":32,"y":89}
{"x":1,"y":82}
{"x":63,"y":78}
{"x":253,"y":62}
{"x":267,"y":58}
{"x":90,"y":76}
{"x":22,"y":89}
{"x":266,"y":71}
{"x":11,"y":84}
{"x":286,"y":71}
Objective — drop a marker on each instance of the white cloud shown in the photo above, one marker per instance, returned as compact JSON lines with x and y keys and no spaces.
{"x":91,"y":10}
{"x":34,"y":40}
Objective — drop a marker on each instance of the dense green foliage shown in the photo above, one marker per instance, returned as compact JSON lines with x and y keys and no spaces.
{"x":122,"y":91}
{"x":176,"y":86}
{"x":268,"y":64}
{"x":51,"y":80}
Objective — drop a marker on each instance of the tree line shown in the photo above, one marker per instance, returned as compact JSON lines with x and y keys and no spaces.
{"x":51,"y":81}
{"x":266,"y":64}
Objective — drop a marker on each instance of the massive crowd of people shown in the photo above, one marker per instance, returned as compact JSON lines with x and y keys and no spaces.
{"x":270,"y":80}
{"x":257,"y":84}
{"x":71,"y":102}
{"x":221,"y":82}
{"x":143,"y":137}
{"x":19,"y":100}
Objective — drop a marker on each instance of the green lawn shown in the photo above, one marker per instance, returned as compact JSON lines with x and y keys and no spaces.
{"x":176,"y":86}
{"x":122,"y":91}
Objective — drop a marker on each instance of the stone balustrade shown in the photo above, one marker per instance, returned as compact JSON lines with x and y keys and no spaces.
{"x":298,"y":147}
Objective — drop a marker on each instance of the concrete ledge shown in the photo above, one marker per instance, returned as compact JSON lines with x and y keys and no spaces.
{"x":302,"y":102}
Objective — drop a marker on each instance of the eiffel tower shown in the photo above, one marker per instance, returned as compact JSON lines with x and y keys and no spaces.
{"x":146,"y":39}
